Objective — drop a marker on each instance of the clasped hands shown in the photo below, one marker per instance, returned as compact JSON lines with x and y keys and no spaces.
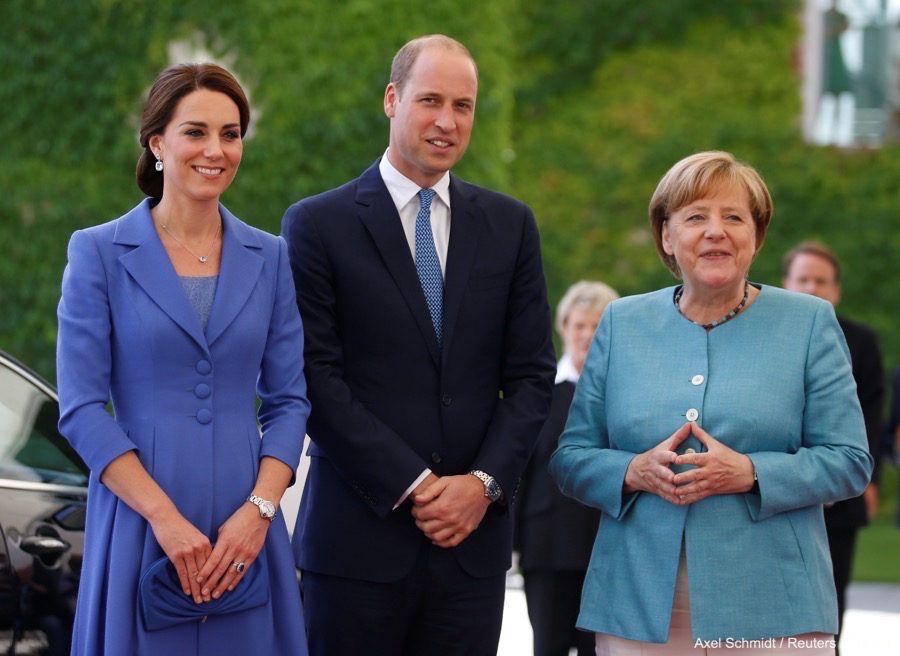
{"x":447,"y":509}
{"x":206,"y":571}
{"x":719,"y":470}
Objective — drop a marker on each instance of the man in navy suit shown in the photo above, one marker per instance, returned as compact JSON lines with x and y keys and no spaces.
{"x":430,"y":364}
{"x":813,"y":268}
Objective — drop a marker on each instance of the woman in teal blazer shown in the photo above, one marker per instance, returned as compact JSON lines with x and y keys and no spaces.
{"x":710,"y":424}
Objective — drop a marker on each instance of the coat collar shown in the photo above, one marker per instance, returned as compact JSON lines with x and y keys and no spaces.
{"x":150,"y":266}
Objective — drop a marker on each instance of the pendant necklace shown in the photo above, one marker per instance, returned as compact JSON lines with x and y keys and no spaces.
{"x":719,"y":322}
{"x":202,"y":258}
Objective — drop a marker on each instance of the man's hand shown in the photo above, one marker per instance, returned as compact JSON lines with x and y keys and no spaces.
{"x":448,"y":510}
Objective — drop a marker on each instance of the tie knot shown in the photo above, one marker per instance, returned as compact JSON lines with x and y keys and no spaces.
{"x":425,"y":197}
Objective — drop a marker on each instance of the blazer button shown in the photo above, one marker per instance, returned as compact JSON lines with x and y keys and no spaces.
{"x":204,"y":367}
{"x":689,"y":451}
{"x":692,"y":414}
{"x":446,"y":399}
{"x":435,"y":457}
{"x":697,"y":380}
{"x":202,"y":391}
{"x":204,"y":416}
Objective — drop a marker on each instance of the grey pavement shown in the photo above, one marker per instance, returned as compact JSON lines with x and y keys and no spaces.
{"x":871,"y":623}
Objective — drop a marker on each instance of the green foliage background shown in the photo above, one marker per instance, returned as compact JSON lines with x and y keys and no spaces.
{"x":583,"y":106}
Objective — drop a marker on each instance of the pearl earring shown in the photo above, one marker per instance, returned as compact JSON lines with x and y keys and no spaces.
{"x":159,"y":163}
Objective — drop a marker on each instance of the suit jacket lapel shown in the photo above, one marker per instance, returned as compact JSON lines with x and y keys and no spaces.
{"x":238,"y":275}
{"x":465,"y":226}
{"x":379,"y":216}
{"x":150,"y":266}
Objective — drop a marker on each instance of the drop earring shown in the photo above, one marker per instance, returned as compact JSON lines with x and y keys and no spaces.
{"x":159,"y":163}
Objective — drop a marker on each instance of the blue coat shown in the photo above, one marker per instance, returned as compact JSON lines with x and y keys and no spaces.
{"x":185,"y":402}
{"x":775,"y":384}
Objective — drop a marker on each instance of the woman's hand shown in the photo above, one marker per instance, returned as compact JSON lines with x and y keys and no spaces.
{"x":649,"y":471}
{"x":240,"y":540}
{"x":186,"y":547}
{"x":720,"y":470}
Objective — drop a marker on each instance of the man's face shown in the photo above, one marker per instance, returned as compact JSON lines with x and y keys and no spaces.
{"x":812,"y":274}
{"x":431,"y":119}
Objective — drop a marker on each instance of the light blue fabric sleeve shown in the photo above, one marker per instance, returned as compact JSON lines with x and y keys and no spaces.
{"x":281,"y":386}
{"x":833,"y":462}
{"x":84,"y":360}
{"x":583,"y":465}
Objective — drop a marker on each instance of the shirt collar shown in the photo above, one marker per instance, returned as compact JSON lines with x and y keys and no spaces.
{"x":565,"y":370}
{"x":403,"y":190}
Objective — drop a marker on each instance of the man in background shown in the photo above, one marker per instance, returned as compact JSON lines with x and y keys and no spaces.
{"x":812,"y":268}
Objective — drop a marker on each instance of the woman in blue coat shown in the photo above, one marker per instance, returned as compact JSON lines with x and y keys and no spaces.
{"x":711,"y":422}
{"x":181,"y":315}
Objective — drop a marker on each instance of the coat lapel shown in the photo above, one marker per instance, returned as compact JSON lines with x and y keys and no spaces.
{"x":465,"y":227}
{"x":238,"y":275}
{"x":379,"y":216}
{"x":150,"y":267}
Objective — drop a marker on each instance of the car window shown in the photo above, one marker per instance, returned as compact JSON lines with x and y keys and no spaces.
{"x":31,"y":448}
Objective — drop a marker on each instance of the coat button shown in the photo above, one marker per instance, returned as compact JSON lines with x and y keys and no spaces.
{"x":204,"y":416}
{"x":435,"y":457}
{"x":697,"y":380}
{"x":689,"y":451}
{"x":204,"y":367}
{"x":692,"y":414}
{"x":446,"y":399}
{"x":202,"y":391}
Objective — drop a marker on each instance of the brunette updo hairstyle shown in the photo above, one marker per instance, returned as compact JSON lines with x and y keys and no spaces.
{"x":170,"y":87}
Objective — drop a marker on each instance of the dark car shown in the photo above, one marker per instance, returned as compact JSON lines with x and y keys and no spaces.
{"x":43,"y":496}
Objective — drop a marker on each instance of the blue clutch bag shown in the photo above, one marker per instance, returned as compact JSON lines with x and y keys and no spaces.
{"x":164,"y":604}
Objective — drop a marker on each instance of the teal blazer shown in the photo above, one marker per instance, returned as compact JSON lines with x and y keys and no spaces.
{"x":774,"y":383}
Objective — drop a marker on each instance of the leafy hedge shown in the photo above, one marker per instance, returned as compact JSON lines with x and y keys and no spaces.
{"x":583,"y":106}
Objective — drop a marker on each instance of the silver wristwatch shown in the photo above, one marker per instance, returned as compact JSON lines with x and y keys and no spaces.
{"x":266,"y":508}
{"x":491,"y":487}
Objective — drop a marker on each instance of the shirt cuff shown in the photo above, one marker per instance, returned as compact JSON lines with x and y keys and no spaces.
{"x":412,"y":487}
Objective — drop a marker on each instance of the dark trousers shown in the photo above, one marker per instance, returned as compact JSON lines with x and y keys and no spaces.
{"x":437,"y":610}
{"x":553,"y":601}
{"x":842,"y":544}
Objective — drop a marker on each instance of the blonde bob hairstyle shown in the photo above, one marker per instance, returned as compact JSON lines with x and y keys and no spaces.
{"x":587,"y":294}
{"x":702,"y":175}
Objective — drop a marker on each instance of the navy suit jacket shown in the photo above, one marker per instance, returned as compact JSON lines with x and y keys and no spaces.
{"x":387,"y":402}
{"x":868,"y":372}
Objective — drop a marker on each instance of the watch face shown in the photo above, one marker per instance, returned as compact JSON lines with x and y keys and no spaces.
{"x":493,"y":490}
{"x":267,"y":509}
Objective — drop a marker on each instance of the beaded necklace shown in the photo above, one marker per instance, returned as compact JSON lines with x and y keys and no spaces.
{"x":719,"y":322}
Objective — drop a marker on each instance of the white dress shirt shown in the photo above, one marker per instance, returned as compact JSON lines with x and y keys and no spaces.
{"x":405,"y":194}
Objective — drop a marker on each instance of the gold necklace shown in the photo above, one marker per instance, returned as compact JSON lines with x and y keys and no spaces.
{"x":202,"y":258}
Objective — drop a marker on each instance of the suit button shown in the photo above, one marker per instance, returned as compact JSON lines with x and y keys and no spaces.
{"x":435,"y":457}
{"x":692,"y":414}
{"x":204,"y":367}
{"x":204,"y":416}
{"x":202,"y":391}
{"x":689,"y":451}
{"x":697,"y":380}
{"x":446,"y":399}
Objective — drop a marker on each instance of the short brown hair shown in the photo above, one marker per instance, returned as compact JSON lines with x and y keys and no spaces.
{"x":697,"y":176}
{"x":811,"y":248}
{"x":406,"y":57}
{"x":170,"y":87}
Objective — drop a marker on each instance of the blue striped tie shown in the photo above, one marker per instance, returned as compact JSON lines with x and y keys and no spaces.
{"x":427,"y":264}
